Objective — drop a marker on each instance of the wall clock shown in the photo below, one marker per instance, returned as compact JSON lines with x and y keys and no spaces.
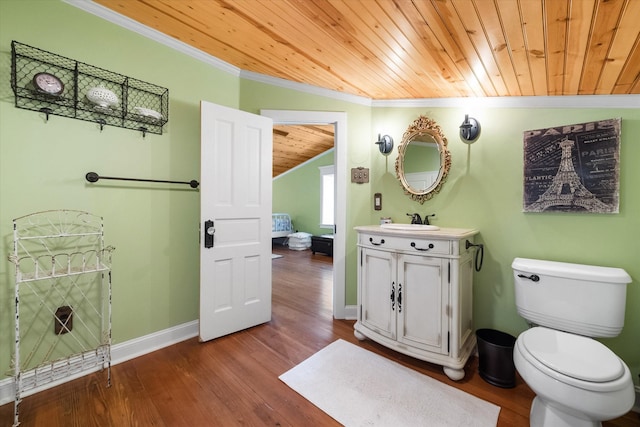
{"x":48,"y":84}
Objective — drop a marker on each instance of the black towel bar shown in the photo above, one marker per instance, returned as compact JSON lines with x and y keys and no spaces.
{"x":94,"y":177}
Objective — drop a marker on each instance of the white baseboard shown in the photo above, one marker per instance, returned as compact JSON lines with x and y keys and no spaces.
{"x":137,"y":347}
{"x":131,"y":349}
{"x":351,"y":312}
{"x":119,"y":353}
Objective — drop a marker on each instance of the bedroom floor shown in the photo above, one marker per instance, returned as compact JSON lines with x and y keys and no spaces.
{"x":234,"y":380}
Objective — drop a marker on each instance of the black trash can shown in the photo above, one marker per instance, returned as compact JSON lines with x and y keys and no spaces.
{"x":495,"y":352}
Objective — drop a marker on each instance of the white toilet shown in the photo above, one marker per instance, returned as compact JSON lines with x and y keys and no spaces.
{"x":577,"y":380}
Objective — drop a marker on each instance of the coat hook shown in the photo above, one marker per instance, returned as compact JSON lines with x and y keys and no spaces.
{"x":143,"y":130}
{"x":101,"y":122}
{"x":46,"y":112}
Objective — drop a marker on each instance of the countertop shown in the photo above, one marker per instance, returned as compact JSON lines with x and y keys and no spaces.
{"x":441,"y":234}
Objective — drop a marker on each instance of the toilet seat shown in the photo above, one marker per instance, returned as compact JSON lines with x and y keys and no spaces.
{"x":563,"y":400}
{"x":572,"y":359}
{"x":573,"y":355}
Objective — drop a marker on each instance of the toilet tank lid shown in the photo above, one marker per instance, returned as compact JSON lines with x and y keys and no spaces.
{"x":573,"y":271}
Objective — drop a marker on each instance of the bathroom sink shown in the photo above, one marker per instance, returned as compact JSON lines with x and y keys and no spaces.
{"x":410,"y":227}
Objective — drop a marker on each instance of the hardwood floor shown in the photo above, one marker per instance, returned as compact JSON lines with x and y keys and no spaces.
{"x":233,"y":380}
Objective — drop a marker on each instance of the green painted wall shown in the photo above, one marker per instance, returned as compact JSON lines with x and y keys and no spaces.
{"x":42,"y":166}
{"x":297,"y":193}
{"x":484,"y":191}
{"x":155,"y":228}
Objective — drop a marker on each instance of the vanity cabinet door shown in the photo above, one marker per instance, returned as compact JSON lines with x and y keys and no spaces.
{"x":377,"y":285}
{"x":422,"y":317}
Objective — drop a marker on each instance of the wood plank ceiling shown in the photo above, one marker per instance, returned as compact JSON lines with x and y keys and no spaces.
{"x":294,"y":145}
{"x":407,"y":49}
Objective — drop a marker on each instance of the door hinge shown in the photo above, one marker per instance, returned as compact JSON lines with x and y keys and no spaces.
{"x":449,"y":272}
{"x":448,"y":342}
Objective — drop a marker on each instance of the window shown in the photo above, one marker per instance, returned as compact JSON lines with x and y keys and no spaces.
{"x":327,"y":196}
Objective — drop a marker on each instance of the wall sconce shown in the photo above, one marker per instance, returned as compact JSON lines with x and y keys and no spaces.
{"x":385,"y":144}
{"x":469,"y":130}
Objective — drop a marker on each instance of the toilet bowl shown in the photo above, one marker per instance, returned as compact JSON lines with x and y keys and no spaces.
{"x":578,"y":381}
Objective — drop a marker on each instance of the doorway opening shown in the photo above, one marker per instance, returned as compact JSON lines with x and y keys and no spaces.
{"x":339,"y":121}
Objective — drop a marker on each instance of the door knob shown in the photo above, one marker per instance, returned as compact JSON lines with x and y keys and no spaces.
{"x":209,"y":231}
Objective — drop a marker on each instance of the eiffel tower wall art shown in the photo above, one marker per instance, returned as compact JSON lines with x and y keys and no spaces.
{"x":573,"y":168}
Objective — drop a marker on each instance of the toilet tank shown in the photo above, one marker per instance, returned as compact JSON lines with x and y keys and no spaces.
{"x":581,"y":299}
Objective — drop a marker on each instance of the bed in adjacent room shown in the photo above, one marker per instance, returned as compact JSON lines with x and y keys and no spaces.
{"x":281,"y":227}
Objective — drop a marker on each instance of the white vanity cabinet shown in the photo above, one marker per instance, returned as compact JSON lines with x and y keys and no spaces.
{"x":415,"y":293}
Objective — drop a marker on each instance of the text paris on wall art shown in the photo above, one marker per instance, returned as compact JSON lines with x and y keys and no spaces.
{"x":573,"y":168}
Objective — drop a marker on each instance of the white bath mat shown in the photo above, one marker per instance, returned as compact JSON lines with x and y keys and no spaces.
{"x":360,"y":388}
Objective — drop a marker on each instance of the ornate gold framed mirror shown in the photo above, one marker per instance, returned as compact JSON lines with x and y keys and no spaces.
{"x":424,"y":160}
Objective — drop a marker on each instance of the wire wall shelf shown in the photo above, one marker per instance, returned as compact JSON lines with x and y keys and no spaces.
{"x":62,"y":299}
{"x":86,"y":92}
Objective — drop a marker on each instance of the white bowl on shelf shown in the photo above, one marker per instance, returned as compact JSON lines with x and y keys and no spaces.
{"x":147,"y":112}
{"x":102,"y":97}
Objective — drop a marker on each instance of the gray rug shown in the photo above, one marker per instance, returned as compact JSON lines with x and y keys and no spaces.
{"x":359,"y":388}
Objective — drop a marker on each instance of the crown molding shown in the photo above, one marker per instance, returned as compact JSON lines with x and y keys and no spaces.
{"x":306,"y":88}
{"x":574,"y":101}
{"x":155,"y":35}
{"x":567,"y":101}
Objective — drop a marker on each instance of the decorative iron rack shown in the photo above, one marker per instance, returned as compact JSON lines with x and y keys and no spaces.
{"x":78,"y":78}
{"x":62,"y":299}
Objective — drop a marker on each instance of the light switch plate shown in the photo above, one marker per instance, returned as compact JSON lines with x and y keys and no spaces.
{"x":360,"y":175}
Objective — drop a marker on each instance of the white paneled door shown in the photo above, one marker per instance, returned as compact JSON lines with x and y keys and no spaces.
{"x":235,"y":215}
